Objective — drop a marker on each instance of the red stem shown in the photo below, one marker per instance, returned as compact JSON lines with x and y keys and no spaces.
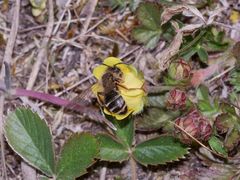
{"x":52,"y":99}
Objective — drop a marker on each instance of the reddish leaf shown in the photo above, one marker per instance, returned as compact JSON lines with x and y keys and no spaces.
{"x":201,"y":75}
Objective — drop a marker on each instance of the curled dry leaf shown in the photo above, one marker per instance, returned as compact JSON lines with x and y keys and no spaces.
{"x":213,"y":14}
{"x":226,"y":60}
{"x":164,"y":57}
{"x":187,"y":10}
{"x":188,"y":29}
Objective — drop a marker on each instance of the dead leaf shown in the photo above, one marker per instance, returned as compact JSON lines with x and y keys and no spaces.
{"x":164,"y":57}
{"x":187,"y":10}
{"x":2,"y":41}
{"x":191,"y":28}
{"x":5,"y":6}
{"x":213,"y":14}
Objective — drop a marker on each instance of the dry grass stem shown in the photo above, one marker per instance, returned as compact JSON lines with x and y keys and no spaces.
{"x":8,"y":59}
{"x":92,"y":6}
{"x":42,"y":53}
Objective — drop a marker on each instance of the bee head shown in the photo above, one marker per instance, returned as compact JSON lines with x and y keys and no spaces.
{"x":115,"y":71}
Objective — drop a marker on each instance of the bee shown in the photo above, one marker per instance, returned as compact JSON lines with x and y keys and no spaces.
{"x":111,"y":97}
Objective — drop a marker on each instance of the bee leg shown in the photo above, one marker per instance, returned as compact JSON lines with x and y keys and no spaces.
{"x":100,"y":101}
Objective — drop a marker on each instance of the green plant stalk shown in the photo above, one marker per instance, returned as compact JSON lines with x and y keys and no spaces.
{"x":190,"y":45}
{"x":158,"y":89}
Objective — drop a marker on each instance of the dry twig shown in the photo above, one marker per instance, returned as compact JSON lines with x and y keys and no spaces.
{"x":92,"y":5}
{"x":42,"y":54}
{"x":8,"y":59}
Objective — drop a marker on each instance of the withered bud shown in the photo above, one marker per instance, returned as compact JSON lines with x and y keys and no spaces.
{"x":223,"y":123}
{"x":194,"y":124}
{"x":179,"y":70}
{"x":176,"y":99}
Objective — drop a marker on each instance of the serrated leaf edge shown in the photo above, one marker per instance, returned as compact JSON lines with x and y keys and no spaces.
{"x":139,"y":6}
{"x":94,"y":161}
{"x":117,"y":140}
{"x":171,"y":161}
{"x":27,"y":161}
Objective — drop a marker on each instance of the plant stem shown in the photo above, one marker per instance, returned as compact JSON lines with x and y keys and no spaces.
{"x":190,"y":45}
{"x":158,"y":89}
{"x":80,"y":106}
{"x":133,"y":168}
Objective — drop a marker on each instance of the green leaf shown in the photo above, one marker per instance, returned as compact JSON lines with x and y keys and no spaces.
{"x":207,"y":106}
{"x":188,"y":54}
{"x":134,"y":4}
{"x":235,"y":79}
{"x":77,"y":154}
{"x":228,"y":109}
{"x":215,"y":46}
{"x":149,"y":15}
{"x":111,"y":149}
{"x":203,"y":55}
{"x":229,"y":119}
{"x":232,"y":139}
{"x":217,"y":145}
{"x":159,"y":150}
{"x":147,"y":36}
{"x":157,"y":101}
{"x":191,"y":42}
{"x":202,"y":93}
{"x":155,"y":118}
{"x":30,"y":137}
{"x":121,"y":4}
{"x":125,"y":131}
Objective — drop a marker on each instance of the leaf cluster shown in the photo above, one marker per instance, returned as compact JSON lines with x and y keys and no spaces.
{"x":150,"y":30}
{"x":202,"y":43}
{"x":31,"y":138}
{"x":120,"y":147}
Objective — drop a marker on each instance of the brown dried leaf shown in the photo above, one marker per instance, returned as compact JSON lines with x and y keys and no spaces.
{"x":187,"y":10}
{"x":164,"y":57}
{"x":2,"y":40}
{"x":213,"y":14}
{"x":5,"y":6}
{"x":191,"y":28}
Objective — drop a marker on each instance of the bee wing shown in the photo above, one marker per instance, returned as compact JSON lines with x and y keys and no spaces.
{"x":85,"y":99}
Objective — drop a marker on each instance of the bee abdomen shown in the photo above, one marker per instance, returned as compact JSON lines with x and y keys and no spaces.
{"x":115,"y":103}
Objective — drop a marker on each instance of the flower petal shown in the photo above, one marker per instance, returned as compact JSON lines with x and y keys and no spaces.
{"x":131,"y":92}
{"x":96,"y":88}
{"x":99,"y":71}
{"x":135,"y":104}
{"x":131,"y":88}
{"x":111,"y":61}
{"x":117,"y":116}
{"x":132,"y":79}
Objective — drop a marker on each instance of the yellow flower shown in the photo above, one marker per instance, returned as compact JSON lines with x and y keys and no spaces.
{"x":131,"y":88}
{"x":234,"y":17}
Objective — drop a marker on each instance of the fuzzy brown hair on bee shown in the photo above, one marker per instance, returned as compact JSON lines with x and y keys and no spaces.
{"x":112,"y":99}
